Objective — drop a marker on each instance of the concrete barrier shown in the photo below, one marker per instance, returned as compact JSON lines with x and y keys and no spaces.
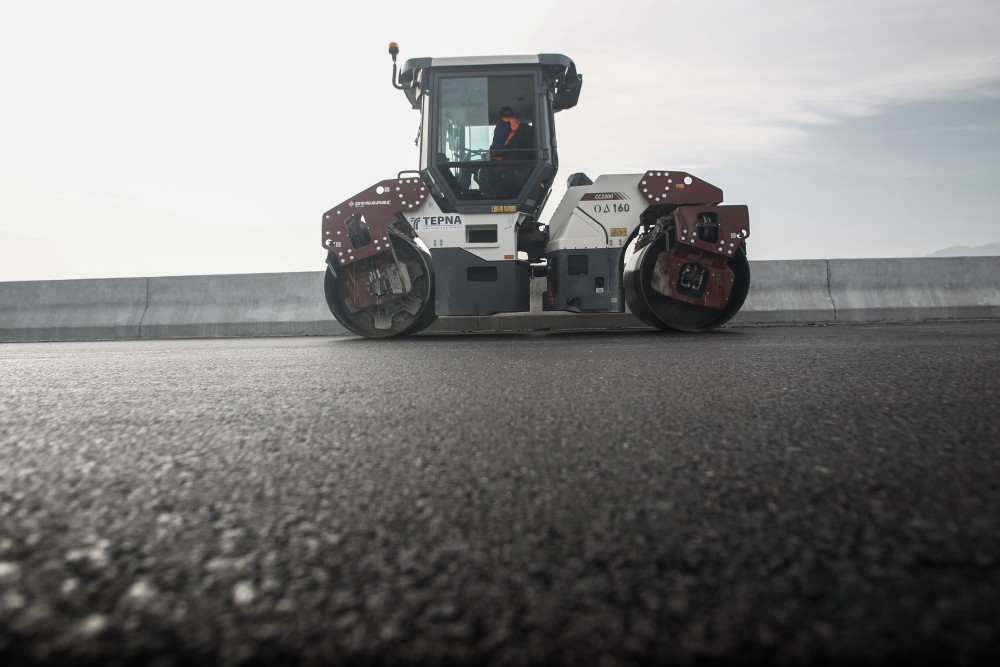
{"x":787,"y":291}
{"x":292,"y":304}
{"x":255,"y":304}
{"x":101,"y":309}
{"x":867,"y":290}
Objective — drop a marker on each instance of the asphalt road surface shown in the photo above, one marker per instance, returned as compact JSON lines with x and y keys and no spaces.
{"x":754,"y":495}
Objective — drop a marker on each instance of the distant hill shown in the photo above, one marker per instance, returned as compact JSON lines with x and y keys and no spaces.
{"x":988,"y":250}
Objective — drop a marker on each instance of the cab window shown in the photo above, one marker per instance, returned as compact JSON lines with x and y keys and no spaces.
{"x":468,"y":108}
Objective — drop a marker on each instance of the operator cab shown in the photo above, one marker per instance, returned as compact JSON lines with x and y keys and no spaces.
{"x":459,"y":100}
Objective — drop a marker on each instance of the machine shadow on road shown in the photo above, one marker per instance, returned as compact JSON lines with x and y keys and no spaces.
{"x":644,"y":334}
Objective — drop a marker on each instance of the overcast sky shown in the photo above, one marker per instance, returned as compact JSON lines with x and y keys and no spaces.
{"x":173,"y":138}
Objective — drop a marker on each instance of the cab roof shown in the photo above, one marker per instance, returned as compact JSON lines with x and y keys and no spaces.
{"x":559,"y":72}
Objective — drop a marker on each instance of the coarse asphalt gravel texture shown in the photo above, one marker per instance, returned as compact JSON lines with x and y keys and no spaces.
{"x":800,"y":495}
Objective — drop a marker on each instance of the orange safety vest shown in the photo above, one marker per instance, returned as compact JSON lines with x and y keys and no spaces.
{"x":514,"y":124}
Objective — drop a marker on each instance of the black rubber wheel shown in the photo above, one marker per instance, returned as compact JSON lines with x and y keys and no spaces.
{"x":657,"y":310}
{"x":399,"y":316}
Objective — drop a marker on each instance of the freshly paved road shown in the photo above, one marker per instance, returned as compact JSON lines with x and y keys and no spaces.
{"x":773,"y":495}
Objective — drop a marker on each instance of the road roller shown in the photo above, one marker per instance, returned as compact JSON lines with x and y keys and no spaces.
{"x":463,"y":235}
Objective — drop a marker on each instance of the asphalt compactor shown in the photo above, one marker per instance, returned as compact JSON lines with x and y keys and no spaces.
{"x":462,"y":235}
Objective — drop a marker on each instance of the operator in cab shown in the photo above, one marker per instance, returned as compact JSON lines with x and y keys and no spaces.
{"x":504,"y":132}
